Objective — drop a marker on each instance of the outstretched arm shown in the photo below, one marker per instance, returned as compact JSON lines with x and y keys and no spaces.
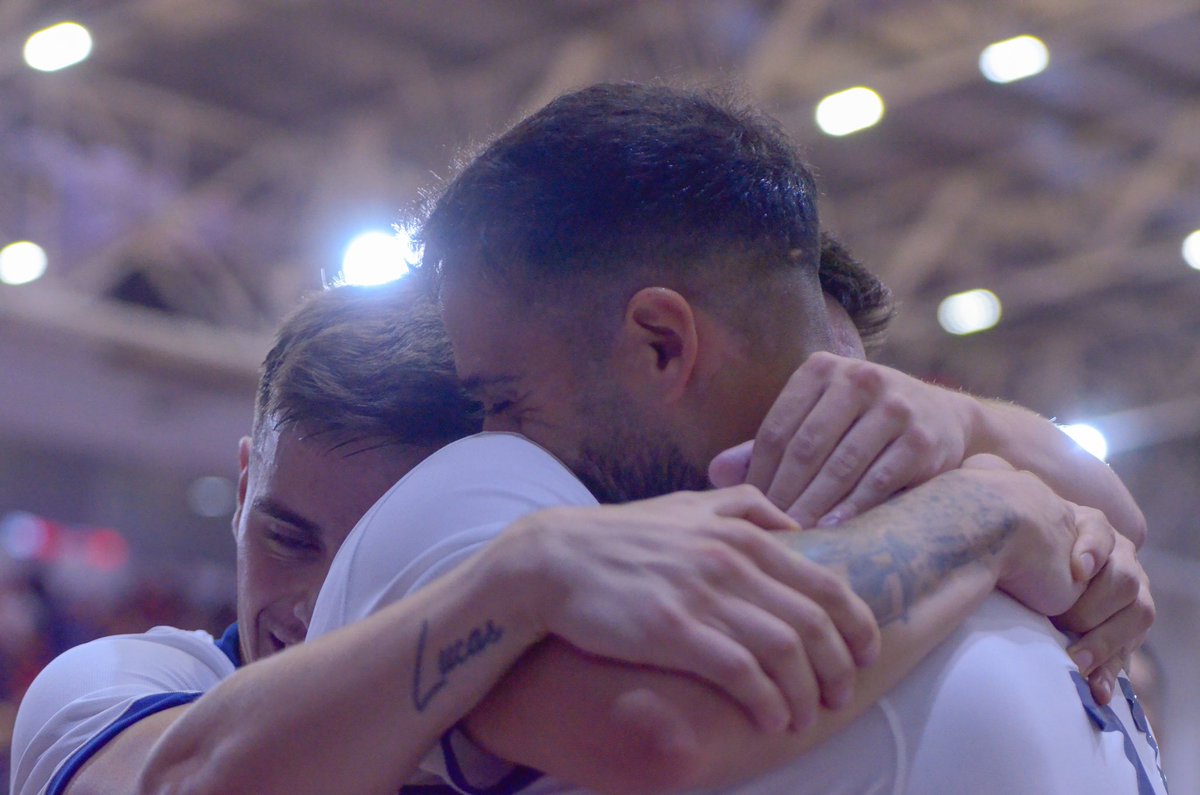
{"x":699,"y":590}
{"x":846,"y":434}
{"x":275,"y":725}
{"x":922,"y":562}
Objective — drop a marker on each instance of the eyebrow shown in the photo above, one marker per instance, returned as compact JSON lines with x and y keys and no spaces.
{"x":276,"y":510}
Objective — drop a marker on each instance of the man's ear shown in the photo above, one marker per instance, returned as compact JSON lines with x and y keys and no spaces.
{"x":243,"y":479}
{"x":659,"y":340}
{"x":846,"y":341}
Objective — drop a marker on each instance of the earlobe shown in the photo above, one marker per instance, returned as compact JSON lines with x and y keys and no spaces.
{"x":846,"y":340}
{"x":660,"y":332}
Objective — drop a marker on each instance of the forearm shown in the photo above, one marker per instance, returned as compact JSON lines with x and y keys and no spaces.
{"x":1029,"y":441}
{"x":356,"y":710}
{"x":923,"y":563}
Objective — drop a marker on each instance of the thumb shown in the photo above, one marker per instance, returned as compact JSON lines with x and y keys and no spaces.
{"x":1093,"y":544}
{"x":730,"y":467}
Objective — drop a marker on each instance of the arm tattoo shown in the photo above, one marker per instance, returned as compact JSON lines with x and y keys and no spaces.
{"x":900,"y":552}
{"x":451,"y":656}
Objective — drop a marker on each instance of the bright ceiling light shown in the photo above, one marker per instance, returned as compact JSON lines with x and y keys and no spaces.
{"x":1013,"y":59}
{"x":212,"y":497}
{"x":1087,"y":437}
{"x":22,"y":262}
{"x":58,"y":47}
{"x":1191,"y":249}
{"x":969,"y":312}
{"x":849,"y":111}
{"x":377,"y":258}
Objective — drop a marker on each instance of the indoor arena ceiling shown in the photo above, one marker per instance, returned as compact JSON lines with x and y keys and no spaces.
{"x":211,"y":158}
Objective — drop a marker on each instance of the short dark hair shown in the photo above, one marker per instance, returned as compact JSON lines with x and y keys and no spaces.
{"x":366,"y":363}
{"x":861,"y":293}
{"x":624,"y":178}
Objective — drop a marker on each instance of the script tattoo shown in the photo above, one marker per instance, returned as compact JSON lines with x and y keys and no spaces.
{"x":450,"y":657}
{"x":911,"y":545}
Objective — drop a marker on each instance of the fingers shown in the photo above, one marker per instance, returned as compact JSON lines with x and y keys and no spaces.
{"x":1094,"y":543}
{"x":843,"y":468}
{"x":730,"y":467}
{"x":789,"y":662}
{"x":1118,"y":586}
{"x":1110,"y":637}
{"x":850,"y":616}
{"x":891,"y":471}
{"x":712,"y":655}
{"x":748,"y":503}
{"x":779,"y":427}
{"x":1103,"y":680}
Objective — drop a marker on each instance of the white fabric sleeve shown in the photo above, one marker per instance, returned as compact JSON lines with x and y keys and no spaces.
{"x":448,"y":507}
{"x":90,"y":693}
{"x":444,"y":510}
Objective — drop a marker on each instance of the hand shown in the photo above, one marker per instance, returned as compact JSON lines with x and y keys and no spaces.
{"x":1057,"y":546}
{"x":1113,"y":617}
{"x":844,"y":436}
{"x":691,"y":582}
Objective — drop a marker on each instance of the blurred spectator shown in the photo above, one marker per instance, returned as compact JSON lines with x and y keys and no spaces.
{"x":47,"y":606}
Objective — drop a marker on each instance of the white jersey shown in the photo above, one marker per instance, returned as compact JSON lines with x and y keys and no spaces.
{"x":91,"y":693}
{"x":999,"y":708}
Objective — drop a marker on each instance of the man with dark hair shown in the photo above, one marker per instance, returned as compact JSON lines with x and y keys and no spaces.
{"x":358,"y":388}
{"x":629,"y":277}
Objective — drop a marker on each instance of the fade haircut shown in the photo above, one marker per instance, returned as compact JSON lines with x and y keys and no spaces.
{"x":621,"y":181}
{"x":365,"y":363}
{"x":866,"y":299}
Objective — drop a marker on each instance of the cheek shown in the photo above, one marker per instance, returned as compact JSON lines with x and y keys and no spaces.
{"x":262,"y":578}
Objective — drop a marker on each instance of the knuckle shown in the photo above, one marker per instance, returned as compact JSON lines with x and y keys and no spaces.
{"x":667,"y":619}
{"x":719,"y":562}
{"x":897,"y":408}
{"x":882,"y":479}
{"x":821,"y":363}
{"x":746,"y":493}
{"x":920,"y":440}
{"x":737,"y":666}
{"x":1126,"y":584}
{"x":805,"y":446}
{"x":774,"y":435}
{"x":827,"y":589}
{"x":845,"y":462}
{"x":814,"y":626}
{"x":866,"y":377}
{"x":784,"y":645}
{"x":1146,"y":612}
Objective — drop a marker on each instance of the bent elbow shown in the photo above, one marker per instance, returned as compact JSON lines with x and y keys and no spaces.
{"x":659,"y":751}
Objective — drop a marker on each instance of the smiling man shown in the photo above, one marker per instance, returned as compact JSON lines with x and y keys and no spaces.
{"x":358,"y":388}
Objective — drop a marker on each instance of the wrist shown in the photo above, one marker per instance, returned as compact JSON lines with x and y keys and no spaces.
{"x":974,"y":414}
{"x":996,"y":519}
{"x":519,"y":573}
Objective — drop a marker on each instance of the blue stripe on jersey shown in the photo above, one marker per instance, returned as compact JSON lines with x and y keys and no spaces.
{"x":518,"y":779}
{"x":231,"y":644}
{"x":142,"y":708}
{"x":1109,"y":721}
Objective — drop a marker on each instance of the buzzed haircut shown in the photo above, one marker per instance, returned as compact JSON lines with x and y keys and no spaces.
{"x":366,"y":363}
{"x":621,"y":179}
